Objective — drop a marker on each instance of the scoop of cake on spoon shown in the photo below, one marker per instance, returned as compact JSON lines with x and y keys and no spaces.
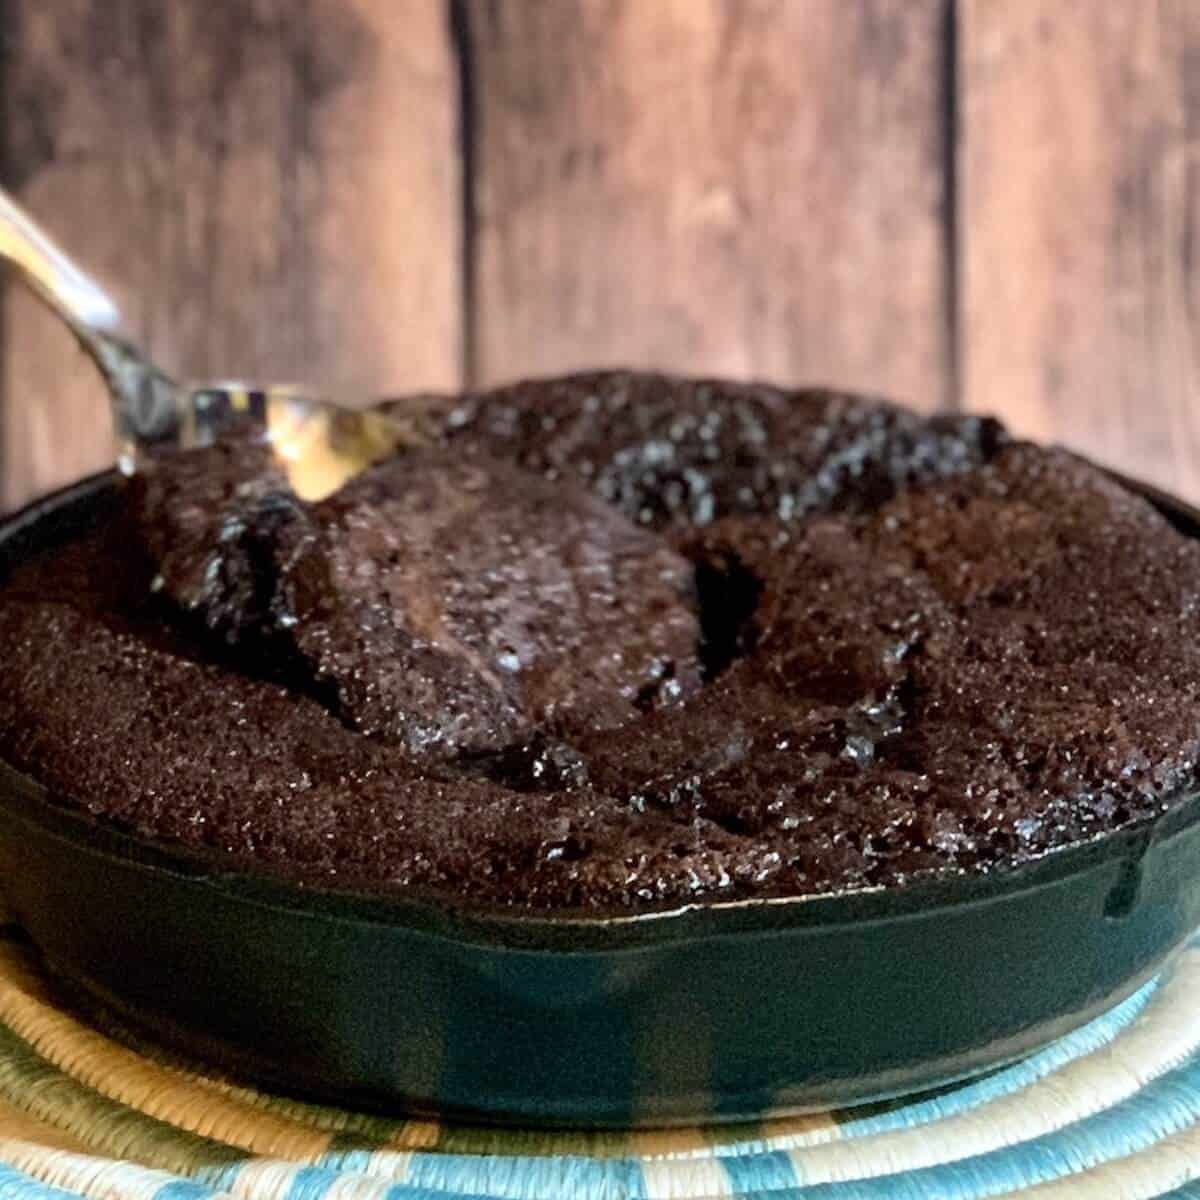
{"x":318,"y":445}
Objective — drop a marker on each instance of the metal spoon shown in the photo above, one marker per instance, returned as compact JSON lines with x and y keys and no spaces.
{"x":319,"y":445}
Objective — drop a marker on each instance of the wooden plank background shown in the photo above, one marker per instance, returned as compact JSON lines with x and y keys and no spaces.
{"x":1080,"y":223}
{"x":658,"y":184}
{"x":983,"y":204}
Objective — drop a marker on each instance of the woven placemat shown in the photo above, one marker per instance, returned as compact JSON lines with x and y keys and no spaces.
{"x":1112,"y":1112}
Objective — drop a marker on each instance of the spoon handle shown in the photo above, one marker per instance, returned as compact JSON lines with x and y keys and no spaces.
{"x":145,"y":400}
{"x":79,"y":300}
{"x":319,"y":445}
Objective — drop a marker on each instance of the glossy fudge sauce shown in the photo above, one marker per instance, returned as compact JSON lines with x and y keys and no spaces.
{"x":618,"y":641}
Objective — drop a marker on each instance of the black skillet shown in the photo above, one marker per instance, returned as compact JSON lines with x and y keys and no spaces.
{"x":721,"y":1011}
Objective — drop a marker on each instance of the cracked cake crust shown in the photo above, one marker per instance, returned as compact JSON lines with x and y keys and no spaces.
{"x":616,"y":641}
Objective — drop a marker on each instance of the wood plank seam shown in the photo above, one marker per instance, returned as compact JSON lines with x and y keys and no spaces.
{"x":458,"y":20}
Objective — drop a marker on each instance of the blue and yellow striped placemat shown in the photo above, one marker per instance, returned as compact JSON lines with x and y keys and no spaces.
{"x":1111,"y":1112}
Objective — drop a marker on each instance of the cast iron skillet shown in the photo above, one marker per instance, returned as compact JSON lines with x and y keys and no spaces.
{"x":725,"y":1011}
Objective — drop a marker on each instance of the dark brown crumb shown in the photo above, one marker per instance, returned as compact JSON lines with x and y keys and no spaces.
{"x":620,"y":640}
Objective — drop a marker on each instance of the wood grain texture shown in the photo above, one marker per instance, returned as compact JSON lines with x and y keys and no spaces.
{"x":750,"y":187}
{"x":271,"y":186}
{"x":1080,"y":212}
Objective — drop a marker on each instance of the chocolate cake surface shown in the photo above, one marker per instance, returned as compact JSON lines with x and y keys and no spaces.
{"x":618,"y":641}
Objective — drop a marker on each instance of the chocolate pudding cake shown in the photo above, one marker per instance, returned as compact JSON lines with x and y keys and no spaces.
{"x":617,"y":641}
